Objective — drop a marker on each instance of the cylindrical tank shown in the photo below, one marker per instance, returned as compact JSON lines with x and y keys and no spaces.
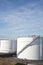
{"x":28,"y":48}
{"x":14,"y":45}
{"x":7,"y":46}
{"x":42,"y":48}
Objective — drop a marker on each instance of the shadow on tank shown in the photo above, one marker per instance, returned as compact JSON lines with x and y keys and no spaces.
{"x":8,"y":55}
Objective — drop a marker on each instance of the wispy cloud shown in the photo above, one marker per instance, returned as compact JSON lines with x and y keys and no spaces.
{"x":26,"y":19}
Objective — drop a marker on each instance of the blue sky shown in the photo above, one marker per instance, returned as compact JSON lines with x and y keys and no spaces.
{"x":21,"y":17}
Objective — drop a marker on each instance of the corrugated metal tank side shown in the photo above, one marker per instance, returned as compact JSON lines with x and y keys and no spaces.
{"x":5,"y":46}
{"x":14,"y":46}
{"x":42,"y":48}
{"x":31,"y":52}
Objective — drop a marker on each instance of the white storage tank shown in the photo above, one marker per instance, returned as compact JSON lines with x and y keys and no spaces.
{"x":42,"y":48}
{"x":28,"y":48}
{"x":7,"y":46}
{"x":14,"y":46}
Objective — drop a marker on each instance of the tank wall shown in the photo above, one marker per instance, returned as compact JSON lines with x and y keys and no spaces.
{"x":42,"y":48}
{"x":5,"y":46}
{"x":8,"y":46}
{"x":32,"y":64}
{"x":14,"y":45}
{"x":32,"y":52}
{"x":22,"y":42}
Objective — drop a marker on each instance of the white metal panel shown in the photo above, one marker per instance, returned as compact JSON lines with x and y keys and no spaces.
{"x":31,"y":64}
{"x":14,"y":45}
{"x":22,"y":42}
{"x":8,"y":46}
{"x":32,"y":52}
{"x":42,"y":48}
{"x":5,"y":46}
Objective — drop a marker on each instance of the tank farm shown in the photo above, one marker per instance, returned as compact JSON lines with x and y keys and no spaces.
{"x":23,"y":48}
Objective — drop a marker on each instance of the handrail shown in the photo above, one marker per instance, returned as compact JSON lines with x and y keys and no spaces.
{"x":27,"y":46}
